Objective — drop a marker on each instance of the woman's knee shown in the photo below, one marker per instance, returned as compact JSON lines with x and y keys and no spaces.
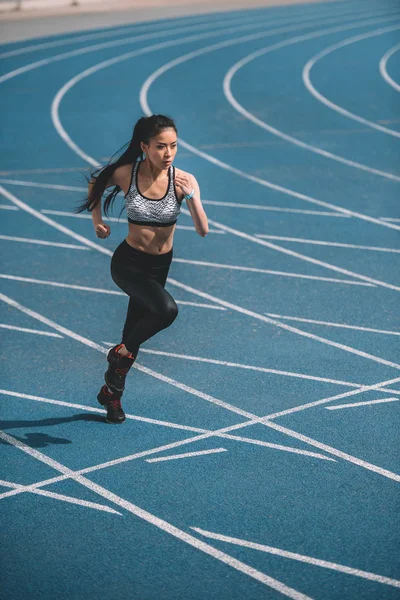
{"x":169,"y":312}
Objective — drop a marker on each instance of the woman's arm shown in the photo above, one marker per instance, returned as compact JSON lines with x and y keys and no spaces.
{"x":102,"y":229}
{"x":187,"y":183}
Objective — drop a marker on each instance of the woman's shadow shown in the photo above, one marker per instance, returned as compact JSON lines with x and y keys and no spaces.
{"x":42,"y":440}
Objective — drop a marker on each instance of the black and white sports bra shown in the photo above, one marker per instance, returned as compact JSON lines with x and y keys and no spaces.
{"x":147,"y":211}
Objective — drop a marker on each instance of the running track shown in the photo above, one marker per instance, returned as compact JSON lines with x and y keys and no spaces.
{"x":259,"y":458}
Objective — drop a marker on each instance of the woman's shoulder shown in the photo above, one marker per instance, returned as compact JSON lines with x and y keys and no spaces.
{"x":184,"y":173}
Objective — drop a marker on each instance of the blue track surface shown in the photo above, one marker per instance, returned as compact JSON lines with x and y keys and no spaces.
{"x":303,"y":504}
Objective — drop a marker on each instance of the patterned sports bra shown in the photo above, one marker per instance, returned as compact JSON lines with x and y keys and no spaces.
{"x":148,"y":211}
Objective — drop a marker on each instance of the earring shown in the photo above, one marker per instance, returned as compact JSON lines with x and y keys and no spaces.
{"x":144,"y":156}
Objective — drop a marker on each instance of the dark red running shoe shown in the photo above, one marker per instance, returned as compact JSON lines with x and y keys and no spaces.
{"x":117,"y":369}
{"x":112,"y":402}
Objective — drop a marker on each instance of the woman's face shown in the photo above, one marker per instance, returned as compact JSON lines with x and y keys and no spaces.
{"x":162,"y":148}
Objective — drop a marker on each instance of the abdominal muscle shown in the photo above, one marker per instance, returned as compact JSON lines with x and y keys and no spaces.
{"x":153,"y":240}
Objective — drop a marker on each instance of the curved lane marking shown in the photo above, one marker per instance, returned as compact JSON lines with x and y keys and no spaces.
{"x":227,"y":87}
{"x":311,"y":88}
{"x":383,"y":67}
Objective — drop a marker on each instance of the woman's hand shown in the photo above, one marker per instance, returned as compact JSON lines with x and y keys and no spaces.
{"x":184,"y":181}
{"x":102,"y":230}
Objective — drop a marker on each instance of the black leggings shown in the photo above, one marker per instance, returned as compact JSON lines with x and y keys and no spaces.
{"x":142,"y":277}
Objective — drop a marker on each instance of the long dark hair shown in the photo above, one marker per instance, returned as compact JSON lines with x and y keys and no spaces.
{"x":145,"y":129}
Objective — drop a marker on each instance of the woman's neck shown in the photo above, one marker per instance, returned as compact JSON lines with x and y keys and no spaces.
{"x":150,"y":170}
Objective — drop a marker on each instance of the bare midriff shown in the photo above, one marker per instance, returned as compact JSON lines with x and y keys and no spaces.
{"x":153,"y":240}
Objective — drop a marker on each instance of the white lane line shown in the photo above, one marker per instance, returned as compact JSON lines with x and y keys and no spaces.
{"x":227,"y":87}
{"x":383,"y":67}
{"x":390,"y":219}
{"x":300,"y":557}
{"x":197,"y":292}
{"x":63,"y":213}
{"x":323,"y":243}
{"x":356,"y":404}
{"x":137,"y":39}
{"x":42,"y":242}
{"x":271,"y":272}
{"x":333,"y":451}
{"x":301,"y":332}
{"x":186,"y":455}
{"x":6,"y":207}
{"x":160,"y":523}
{"x":61,"y":285}
{"x":26,"y":330}
{"x":61,"y":497}
{"x":330,"y":324}
{"x":253,"y":419}
{"x":146,"y":109}
{"x":300,"y":407}
{"x":96,"y":290}
{"x":209,"y":433}
{"x":303,"y":257}
{"x":249,"y":367}
{"x":71,"y":188}
{"x":311,"y":88}
{"x":123,"y":31}
{"x":100,"y":410}
{"x":206,"y":397}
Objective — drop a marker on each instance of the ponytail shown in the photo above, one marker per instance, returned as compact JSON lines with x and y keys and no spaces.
{"x":145,"y":129}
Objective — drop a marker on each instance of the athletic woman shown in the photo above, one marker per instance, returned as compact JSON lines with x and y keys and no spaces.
{"x":154,"y":191}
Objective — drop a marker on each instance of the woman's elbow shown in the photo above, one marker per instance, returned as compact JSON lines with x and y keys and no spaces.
{"x":202,"y":231}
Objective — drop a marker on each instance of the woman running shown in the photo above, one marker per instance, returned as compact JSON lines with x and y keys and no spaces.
{"x":154,"y":191}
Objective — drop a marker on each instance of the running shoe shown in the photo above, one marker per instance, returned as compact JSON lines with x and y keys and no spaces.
{"x":112,"y":402}
{"x":117,"y":369}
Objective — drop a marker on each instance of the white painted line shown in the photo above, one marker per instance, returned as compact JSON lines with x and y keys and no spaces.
{"x":365,"y":388}
{"x":6,"y":207}
{"x":244,"y":366}
{"x":303,"y":257}
{"x":279,"y":209}
{"x":197,"y":292}
{"x":356,"y":404}
{"x":299,"y":557}
{"x":160,"y":523}
{"x":311,"y":88}
{"x":122,"y":31}
{"x":187,"y":455}
{"x":146,"y":109}
{"x":390,"y":219}
{"x":62,"y":497}
{"x":271,"y":272}
{"x":71,"y":188}
{"x":334,"y":451}
{"x":42,"y":242}
{"x":63,"y":213}
{"x":101,"y":411}
{"x":383,"y":67}
{"x":330,"y":324}
{"x":206,"y":397}
{"x":176,"y":32}
{"x":168,"y":424}
{"x":26,"y":330}
{"x":61,"y":285}
{"x":301,"y":332}
{"x":322,"y":243}
{"x":252,"y":418}
{"x":96,"y":290}
{"x":279,"y":133}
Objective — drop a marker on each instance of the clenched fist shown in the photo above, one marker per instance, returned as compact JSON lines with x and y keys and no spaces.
{"x":102,"y":230}
{"x":184,"y":181}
